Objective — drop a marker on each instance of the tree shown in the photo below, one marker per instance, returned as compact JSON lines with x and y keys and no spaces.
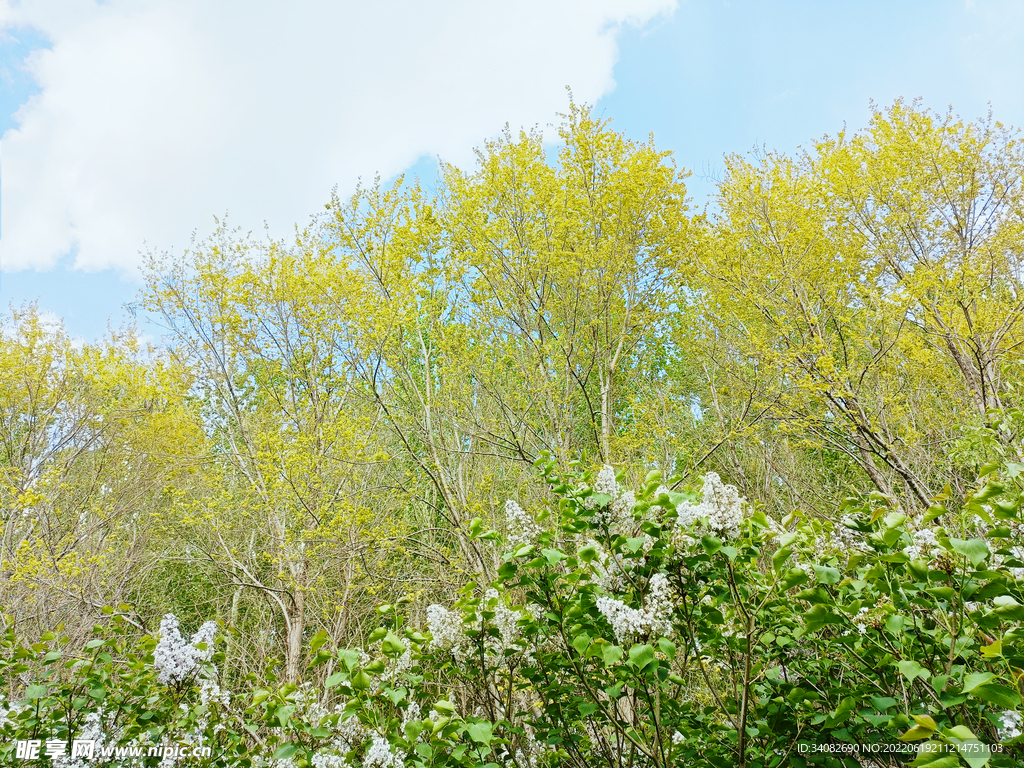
{"x":858,"y":295}
{"x":91,"y":436}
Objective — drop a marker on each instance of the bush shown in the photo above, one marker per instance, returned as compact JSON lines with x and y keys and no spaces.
{"x":639,"y":628}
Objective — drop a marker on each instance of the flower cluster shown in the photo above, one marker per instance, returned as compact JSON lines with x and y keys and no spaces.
{"x":91,"y":730}
{"x":924,"y":541}
{"x":449,"y":633}
{"x":379,"y":755}
{"x":446,"y":631}
{"x":721,"y":506}
{"x":521,"y":528}
{"x":606,"y":483}
{"x":652,"y":617}
{"x":178,"y":658}
{"x":1010,"y":723}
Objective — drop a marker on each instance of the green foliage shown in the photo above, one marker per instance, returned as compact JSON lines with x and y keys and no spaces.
{"x":642,"y":628}
{"x":336,"y":422}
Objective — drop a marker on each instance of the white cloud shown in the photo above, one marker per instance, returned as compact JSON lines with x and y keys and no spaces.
{"x":155,"y":115}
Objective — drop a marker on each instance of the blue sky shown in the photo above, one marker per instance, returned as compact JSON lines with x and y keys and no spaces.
{"x":130,"y":129}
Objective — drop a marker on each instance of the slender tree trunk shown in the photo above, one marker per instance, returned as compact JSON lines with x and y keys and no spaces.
{"x":293,"y":657}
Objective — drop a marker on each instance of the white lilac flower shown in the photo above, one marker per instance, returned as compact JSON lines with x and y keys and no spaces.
{"x":329,"y":760}
{"x":622,"y":509}
{"x":924,"y":541}
{"x":92,"y":730}
{"x":379,"y":755}
{"x":521,"y":528}
{"x":652,"y":617}
{"x":209,"y":692}
{"x":445,"y":627}
{"x":611,"y":570}
{"x":721,"y":505}
{"x":505,"y":619}
{"x":351,"y":733}
{"x":8,"y":713}
{"x":398,"y":667}
{"x":678,"y":738}
{"x":1009,"y":725}
{"x":1018,"y":554}
{"x":861,"y":620}
{"x":606,"y":483}
{"x":176,"y":657}
{"x":412,"y":712}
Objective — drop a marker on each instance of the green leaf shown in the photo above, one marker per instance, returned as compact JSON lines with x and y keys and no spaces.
{"x":334,"y":679}
{"x":667,"y":647}
{"x":423,"y":750}
{"x":842,"y":712}
{"x":349,"y":658}
{"x":972,"y":681}
{"x":361,"y":681}
{"x":998,"y":695}
{"x":711,"y":544}
{"x":993,"y":651}
{"x":1008,"y":608}
{"x":961,"y":732}
{"x":480,"y":733}
{"x":588,"y":554}
{"x":911,"y":670}
{"x":36,"y":692}
{"x":395,"y":694}
{"x":581,"y":642}
{"x":974,"y":752}
{"x":917,"y":733}
{"x":412,"y":729}
{"x":392,"y":645}
{"x":611,"y":654}
{"x":975,"y":550}
{"x":317,"y":640}
{"x":818,"y":616}
{"x":826,"y":575}
{"x":553,"y":556}
{"x":285,"y":751}
{"x":641,"y":655}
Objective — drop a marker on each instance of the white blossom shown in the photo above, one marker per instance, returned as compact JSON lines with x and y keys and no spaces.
{"x":446,"y":631}
{"x":721,"y":505}
{"x":1018,"y":554}
{"x":652,"y":617}
{"x":620,"y":513}
{"x":412,"y":712}
{"x":329,"y":760}
{"x":924,"y":541}
{"x":177,"y":658}
{"x":92,"y":730}
{"x":606,"y":483}
{"x":505,"y":619}
{"x":1009,"y":725}
{"x":861,"y":620}
{"x":379,"y":755}
{"x":521,"y":528}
